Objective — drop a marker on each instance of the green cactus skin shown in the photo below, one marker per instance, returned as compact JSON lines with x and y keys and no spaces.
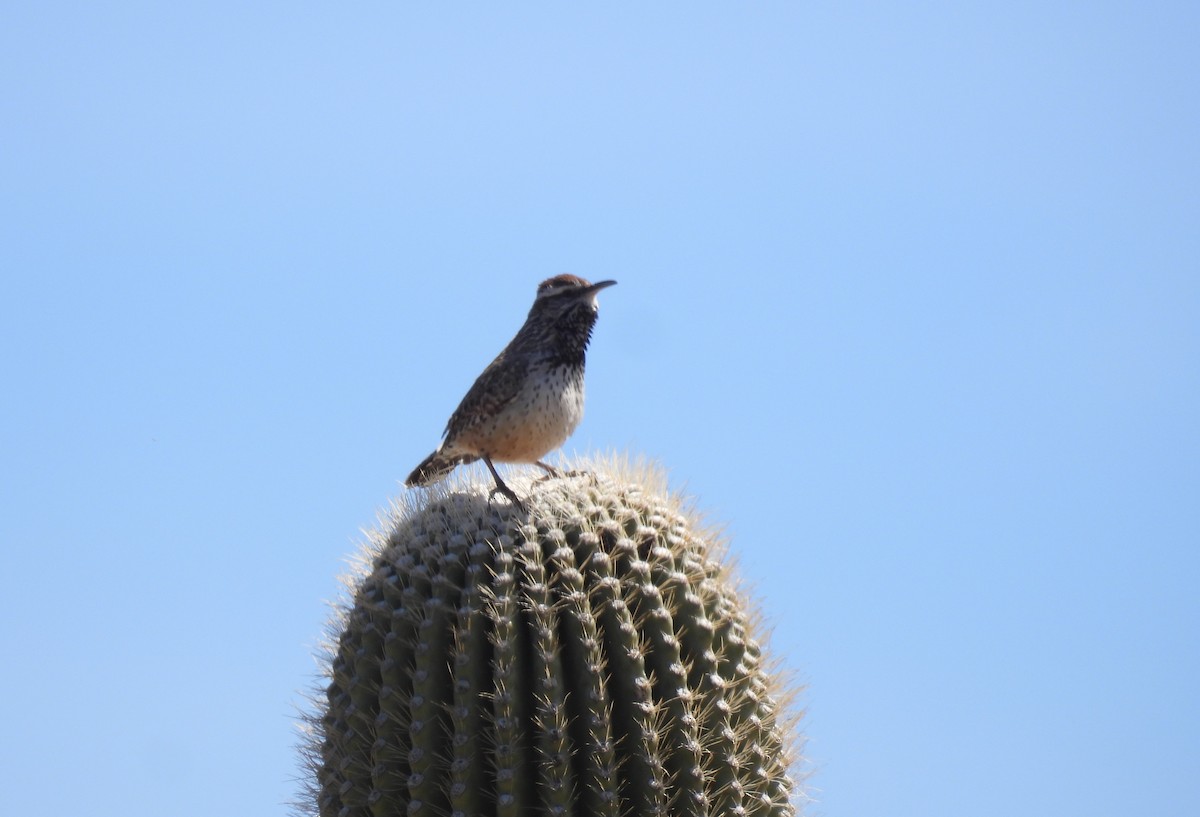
{"x":588,"y":657}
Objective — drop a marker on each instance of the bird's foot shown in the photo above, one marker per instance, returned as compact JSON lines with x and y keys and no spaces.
{"x":555,"y":473}
{"x":509,"y":494}
{"x":551,"y":472}
{"x":501,"y":488}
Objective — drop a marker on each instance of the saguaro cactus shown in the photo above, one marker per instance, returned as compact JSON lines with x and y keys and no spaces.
{"x":588,"y":657}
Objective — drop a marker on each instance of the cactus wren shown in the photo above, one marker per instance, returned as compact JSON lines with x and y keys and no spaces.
{"x":530,"y":399}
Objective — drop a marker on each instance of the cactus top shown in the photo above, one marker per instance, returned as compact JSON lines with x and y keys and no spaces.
{"x":588,"y":656}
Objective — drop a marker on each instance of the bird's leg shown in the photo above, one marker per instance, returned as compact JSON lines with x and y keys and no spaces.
{"x":501,"y":488}
{"x":551,"y":471}
{"x":555,"y":473}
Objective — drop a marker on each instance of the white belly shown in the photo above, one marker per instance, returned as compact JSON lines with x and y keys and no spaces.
{"x":540,"y":420}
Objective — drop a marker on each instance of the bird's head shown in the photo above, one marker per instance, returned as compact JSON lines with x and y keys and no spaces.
{"x":564,"y":293}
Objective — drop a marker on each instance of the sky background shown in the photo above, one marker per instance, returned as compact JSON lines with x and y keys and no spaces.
{"x":909,"y":300}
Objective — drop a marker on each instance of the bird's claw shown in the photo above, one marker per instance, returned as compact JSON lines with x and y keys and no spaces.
{"x":556,"y":474}
{"x":508,"y":494}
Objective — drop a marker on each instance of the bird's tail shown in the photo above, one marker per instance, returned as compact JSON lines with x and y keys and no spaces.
{"x":436,"y":466}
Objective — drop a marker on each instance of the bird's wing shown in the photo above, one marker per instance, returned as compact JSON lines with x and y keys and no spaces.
{"x":492,"y":391}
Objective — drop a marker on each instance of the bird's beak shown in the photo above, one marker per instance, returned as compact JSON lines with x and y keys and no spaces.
{"x":596,"y":287}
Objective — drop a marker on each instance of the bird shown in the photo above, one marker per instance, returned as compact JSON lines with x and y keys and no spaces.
{"x":528,"y":400}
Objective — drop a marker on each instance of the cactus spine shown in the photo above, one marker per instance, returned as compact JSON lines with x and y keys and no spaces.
{"x":590,"y":657}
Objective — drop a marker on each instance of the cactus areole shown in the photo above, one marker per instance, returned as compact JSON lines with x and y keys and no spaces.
{"x":586,"y":656}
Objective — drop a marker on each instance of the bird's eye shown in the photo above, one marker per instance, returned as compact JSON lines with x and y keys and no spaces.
{"x":559,"y":283}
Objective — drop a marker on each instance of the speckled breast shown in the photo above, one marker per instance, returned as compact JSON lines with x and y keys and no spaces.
{"x":540,"y":419}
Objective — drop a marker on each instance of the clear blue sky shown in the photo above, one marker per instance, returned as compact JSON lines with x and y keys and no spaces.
{"x":909,"y":298}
